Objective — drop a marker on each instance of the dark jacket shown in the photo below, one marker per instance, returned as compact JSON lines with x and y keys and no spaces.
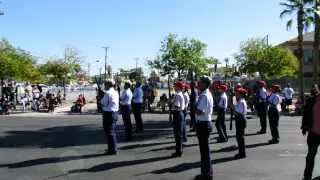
{"x":307,"y":116}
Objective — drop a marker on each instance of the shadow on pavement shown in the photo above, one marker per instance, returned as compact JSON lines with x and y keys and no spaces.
{"x":317,"y":178}
{"x":234,"y":148}
{"x":233,"y":136}
{"x":187,"y":166}
{"x":134,"y":146}
{"x":50,"y":160}
{"x":77,"y":135}
{"x":113,"y":165}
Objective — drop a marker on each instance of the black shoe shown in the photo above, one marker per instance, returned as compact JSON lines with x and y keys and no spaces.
{"x":175,"y":155}
{"x":109,"y":153}
{"x":185,"y":140}
{"x":261,"y":132}
{"x":127,"y":139}
{"x":138,"y":130}
{"x":192,"y":130}
{"x":274,"y":141}
{"x":306,"y":179}
{"x":240,"y":156}
{"x":222,"y":140}
{"x":203,"y":177}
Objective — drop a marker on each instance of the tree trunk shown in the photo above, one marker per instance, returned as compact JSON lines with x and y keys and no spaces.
{"x":300,"y":54}
{"x":315,"y":59}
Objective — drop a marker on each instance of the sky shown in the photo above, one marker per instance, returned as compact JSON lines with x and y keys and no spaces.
{"x":135,"y":28}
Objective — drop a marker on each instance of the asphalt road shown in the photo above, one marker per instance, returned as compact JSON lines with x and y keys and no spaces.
{"x":70,"y":147}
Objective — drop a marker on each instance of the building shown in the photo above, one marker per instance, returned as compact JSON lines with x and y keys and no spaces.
{"x":308,"y":49}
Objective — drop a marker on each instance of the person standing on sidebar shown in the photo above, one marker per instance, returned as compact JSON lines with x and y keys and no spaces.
{"x":262,"y":107}
{"x":137,"y":105}
{"x":311,"y":124}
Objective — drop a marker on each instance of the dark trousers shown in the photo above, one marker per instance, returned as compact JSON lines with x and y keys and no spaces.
{"x":263,"y":115}
{"x":273,"y":115}
{"x":184,"y":128}
{"x":231,"y":107}
{"x":109,"y":120}
{"x":313,"y":142}
{"x":126,"y":116}
{"x":241,"y":124}
{"x":204,"y":129}
{"x":193,"y":121}
{"x":137,"y":115}
{"x":177,"y":130}
{"x":221,"y":125}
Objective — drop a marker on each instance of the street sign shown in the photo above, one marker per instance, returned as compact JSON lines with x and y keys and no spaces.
{"x":80,"y":81}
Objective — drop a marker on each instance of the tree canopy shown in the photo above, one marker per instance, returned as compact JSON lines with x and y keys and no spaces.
{"x":270,"y":61}
{"x":179,"y":55}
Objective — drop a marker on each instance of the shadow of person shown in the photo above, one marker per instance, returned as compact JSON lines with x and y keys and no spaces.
{"x":187,"y":166}
{"x":114,"y":165}
{"x":134,"y":146}
{"x":233,"y":136}
{"x":316,"y":178}
{"x":50,"y":160}
{"x":234,"y":148}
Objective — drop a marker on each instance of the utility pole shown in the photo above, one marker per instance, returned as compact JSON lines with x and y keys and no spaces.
{"x":89,"y":64}
{"x":100,"y":74}
{"x":136,"y":59}
{"x":105,"y":61}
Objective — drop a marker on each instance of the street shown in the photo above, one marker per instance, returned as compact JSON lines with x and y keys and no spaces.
{"x":70,"y":147}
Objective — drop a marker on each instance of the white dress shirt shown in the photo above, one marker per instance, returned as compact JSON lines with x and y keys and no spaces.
{"x":274,"y":99}
{"x":186,"y":99}
{"x":196,"y":94}
{"x":205,"y":104}
{"x":223,"y":102}
{"x":138,"y":95}
{"x":110,"y":101}
{"x":288,"y":92}
{"x":179,"y":101}
{"x":126,"y":97}
{"x":263,"y":95}
{"x":241,"y":107}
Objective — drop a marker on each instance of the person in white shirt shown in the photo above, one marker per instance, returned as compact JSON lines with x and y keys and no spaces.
{"x":185,"y":111}
{"x":28,"y":90}
{"x":35,"y":93}
{"x":126,"y":98}
{"x":288,"y":93}
{"x":203,"y":109}
{"x":110,"y":106}
{"x":262,"y":107}
{"x":241,"y":121}
{"x":222,"y":108}
{"x":273,"y":113}
{"x":193,"y":121}
{"x":178,"y":118}
{"x":137,"y":105}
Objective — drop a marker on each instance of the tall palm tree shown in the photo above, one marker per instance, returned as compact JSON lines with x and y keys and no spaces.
{"x":315,"y":58}
{"x":304,"y":12}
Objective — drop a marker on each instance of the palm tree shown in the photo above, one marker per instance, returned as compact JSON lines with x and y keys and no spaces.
{"x":316,"y":42}
{"x":304,"y":12}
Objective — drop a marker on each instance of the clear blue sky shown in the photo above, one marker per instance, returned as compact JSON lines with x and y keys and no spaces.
{"x":134,"y":28}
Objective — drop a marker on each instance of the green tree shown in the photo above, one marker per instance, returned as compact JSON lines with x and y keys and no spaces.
{"x":270,"y":61}
{"x":304,"y":11}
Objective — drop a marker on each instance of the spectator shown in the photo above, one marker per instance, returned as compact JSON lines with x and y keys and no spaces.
{"x":35,"y":93}
{"x":28,"y":90}
{"x":314,"y":90}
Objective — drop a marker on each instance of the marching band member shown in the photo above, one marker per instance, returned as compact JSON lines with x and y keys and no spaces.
{"x":203,"y":109}
{"x":273,"y":113}
{"x":137,"y":106}
{"x":262,"y":108}
{"x":241,"y":121}
{"x":185,"y":111}
{"x":222,"y":108}
{"x":110,"y":103}
{"x":193,"y":121}
{"x":288,"y":93}
{"x":126,"y":99}
{"x":178,"y":118}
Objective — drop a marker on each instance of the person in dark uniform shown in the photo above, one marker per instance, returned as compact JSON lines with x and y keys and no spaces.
{"x":193,"y":121}
{"x":203,"y":109}
{"x":178,"y":118}
{"x":222,"y":108}
{"x":230,"y":94}
{"x":137,"y":106}
{"x":110,"y":102}
{"x":185,"y":111}
{"x":241,"y":121}
{"x":273,"y":113}
{"x":126,"y":99}
{"x":262,"y":107}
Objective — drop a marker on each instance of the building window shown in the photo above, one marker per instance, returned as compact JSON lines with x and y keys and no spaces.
{"x":307,"y":56}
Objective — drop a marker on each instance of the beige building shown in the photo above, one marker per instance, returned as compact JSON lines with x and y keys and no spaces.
{"x":307,"y":54}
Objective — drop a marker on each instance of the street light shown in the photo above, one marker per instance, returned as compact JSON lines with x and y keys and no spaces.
{"x":89,"y":67}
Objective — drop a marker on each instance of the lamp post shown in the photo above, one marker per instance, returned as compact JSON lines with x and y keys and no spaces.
{"x":89,"y":67}
{"x":1,"y":12}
